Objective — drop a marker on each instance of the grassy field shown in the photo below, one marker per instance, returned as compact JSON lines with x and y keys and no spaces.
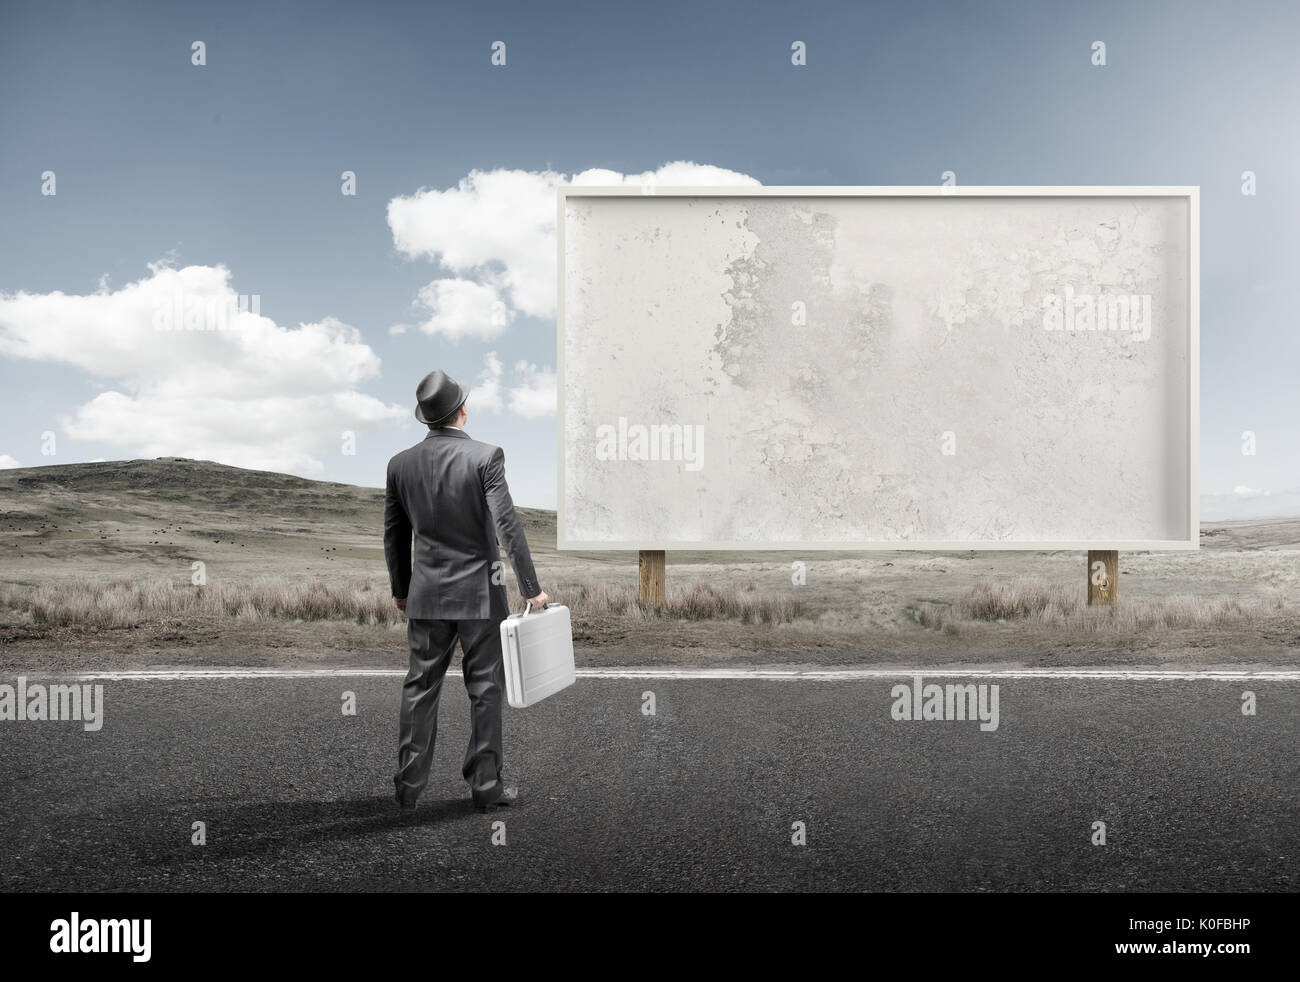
{"x":98,"y":562}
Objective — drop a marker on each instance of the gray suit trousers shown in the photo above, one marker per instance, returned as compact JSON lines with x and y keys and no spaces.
{"x":432,"y":643}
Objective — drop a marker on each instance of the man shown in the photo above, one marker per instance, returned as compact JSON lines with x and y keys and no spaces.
{"x":450,"y":491}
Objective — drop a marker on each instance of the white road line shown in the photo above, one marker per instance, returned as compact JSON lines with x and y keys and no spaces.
{"x":725,"y":674}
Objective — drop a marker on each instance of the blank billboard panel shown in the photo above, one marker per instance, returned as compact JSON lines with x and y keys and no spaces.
{"x":877,"y":368}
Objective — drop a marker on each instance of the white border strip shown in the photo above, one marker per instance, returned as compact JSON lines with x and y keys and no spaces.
{"x":720,"y":674}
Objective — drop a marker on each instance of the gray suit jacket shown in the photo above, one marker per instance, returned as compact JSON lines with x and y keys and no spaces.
{"x":450,"y":491}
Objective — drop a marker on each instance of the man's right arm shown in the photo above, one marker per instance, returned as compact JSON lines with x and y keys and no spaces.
{"x":397,"y":540}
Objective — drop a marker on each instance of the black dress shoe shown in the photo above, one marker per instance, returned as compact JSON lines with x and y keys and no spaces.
{"x":507,"y":794}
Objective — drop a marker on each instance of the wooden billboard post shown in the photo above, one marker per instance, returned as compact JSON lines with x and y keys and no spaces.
{"x":653,"y":569}
{"x":1103,"y":576}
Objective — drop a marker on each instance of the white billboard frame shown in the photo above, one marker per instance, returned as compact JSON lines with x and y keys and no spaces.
{"x":1188,"y":543}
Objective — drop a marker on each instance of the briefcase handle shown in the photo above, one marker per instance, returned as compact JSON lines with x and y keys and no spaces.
{"x":528,"y":608}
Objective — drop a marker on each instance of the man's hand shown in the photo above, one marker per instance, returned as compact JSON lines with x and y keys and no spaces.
{"x":538,"y":600}
{"x":401,"y":603}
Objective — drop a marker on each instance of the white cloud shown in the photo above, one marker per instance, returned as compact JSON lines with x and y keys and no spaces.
{"x":678,"y":173}
{"x":534,"y":396}
{"x":251,"y":393}
{"x":7,"y":462}
{"x":497,"y":229}
{"x":485,"y":396}
{"x":462,"y":308}
{"x":497,"y":225}
{"x":531,"y":394}
{"x":1241,"y":491}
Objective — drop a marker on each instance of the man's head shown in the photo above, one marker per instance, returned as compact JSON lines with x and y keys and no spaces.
{"x":456,"y":419}
{"x":439,"y":399}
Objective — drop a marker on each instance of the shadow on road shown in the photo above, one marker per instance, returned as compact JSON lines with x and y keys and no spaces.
{"x":252,"y":829}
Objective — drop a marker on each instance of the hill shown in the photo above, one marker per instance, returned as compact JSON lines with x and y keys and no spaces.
{"x":140,"y":515}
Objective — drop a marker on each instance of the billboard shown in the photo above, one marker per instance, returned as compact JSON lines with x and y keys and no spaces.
{"x":878,"y":368}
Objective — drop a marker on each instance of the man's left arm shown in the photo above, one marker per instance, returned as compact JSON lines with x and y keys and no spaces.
{"x":509,"y":529}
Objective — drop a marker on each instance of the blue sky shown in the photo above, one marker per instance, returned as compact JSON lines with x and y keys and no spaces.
{"x":162,"y":166}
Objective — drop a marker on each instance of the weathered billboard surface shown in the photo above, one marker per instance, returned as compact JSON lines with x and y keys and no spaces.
{"x":878,"y":368}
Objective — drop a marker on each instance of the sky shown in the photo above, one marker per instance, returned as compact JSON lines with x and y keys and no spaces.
{"x":174,"y":181}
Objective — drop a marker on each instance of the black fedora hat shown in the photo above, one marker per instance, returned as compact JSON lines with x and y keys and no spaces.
{"x":438,"y":396}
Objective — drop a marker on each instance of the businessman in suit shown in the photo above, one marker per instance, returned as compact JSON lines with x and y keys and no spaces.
{"x":450,"y":492}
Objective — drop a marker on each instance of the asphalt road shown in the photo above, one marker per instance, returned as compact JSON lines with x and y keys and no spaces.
{"x":700,"y":796}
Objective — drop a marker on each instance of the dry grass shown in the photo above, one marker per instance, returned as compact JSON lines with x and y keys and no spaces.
{"x":696,"y":601}
{"x":125,"y":603}
{"x":1057,"y":607}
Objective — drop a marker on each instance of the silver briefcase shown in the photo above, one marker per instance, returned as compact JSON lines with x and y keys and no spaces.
{"x":537,"y":648}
